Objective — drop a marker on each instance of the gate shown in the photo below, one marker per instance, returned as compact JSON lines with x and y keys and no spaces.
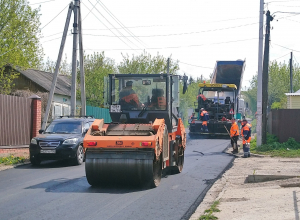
{"x":15,"y":120}
{"x":99,"y":113}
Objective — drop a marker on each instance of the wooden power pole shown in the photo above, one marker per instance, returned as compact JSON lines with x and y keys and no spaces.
{"x":265,"y":79}
{"x":75,"y":7}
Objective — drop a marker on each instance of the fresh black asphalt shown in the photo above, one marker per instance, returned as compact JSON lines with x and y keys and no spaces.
{"x":58,"y":190}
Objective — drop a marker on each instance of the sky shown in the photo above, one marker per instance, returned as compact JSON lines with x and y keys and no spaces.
{"x":197,"y":33}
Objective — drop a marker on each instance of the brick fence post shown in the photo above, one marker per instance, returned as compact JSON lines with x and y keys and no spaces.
{"x":36,"y":109}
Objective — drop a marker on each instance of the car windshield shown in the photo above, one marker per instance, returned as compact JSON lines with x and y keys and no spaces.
{"x":139,"y":93}
{"x":64,"y":127}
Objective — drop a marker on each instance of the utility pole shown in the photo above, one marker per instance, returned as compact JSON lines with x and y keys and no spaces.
{"x":168,"y":65}
{"x":61,"y":50}
{"x":82,"y":77}
{"x":73,"y":7}
{"x":265,"y":79}
{"x":291,"y":73}
{"x":74,"y":58}
{"x":259,"y":74}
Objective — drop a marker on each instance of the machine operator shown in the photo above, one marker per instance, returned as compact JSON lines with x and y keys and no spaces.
{"x":128,"y":97}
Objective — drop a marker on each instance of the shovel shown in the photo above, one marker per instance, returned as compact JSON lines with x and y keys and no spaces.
{"x":234,"y":144}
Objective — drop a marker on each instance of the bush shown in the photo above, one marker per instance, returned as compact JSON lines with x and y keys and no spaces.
{"x":10,"y":160}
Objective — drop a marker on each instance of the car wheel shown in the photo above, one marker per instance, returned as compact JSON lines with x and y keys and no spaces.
{"x":35,"y":161}
{"x":79,"y":155}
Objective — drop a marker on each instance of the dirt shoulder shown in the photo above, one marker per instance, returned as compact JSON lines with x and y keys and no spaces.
{"x":240,"y":198}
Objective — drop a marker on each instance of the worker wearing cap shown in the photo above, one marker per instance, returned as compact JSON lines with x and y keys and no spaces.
{"x":234,"y":135}
{"x":128,"y":97}
{"x":204,"y":117}
{"x":246,"y":134}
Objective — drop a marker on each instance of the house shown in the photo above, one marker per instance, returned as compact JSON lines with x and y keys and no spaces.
{"x":41,"y":81}
{"x":293,"y":100}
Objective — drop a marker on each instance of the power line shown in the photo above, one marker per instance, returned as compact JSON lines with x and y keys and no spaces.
{"x":90,"y":10}
{"x":287,"y":48}
{"x":113,"y":26}
{"x":120,"y":23}
{"x":295,"y":58}
{"x":107,"y":26}
{"x":42,"y":2}
{"x":55,"y":16}
{"x":178,"y":34}
{"x":176,"y":47}
{"x":282,"y":1}
{"x":281,"y":56}
{"x":195,"y":65}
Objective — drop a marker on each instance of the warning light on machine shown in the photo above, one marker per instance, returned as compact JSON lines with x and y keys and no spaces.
{"x":93,"y":143}
{"x":146,"y":144}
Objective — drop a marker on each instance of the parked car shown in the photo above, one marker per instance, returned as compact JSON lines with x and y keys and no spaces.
{"x":63,"y":139}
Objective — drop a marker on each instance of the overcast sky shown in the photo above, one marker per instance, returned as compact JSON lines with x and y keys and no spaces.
{"x":195,"y":32}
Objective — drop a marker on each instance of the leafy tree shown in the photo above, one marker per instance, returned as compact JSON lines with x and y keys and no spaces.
{"x":145,"y":63}
{"x":97,"y":66}
{"x":64,"y":68}
{"x":279,"y":84}
{"x":19,"y":39}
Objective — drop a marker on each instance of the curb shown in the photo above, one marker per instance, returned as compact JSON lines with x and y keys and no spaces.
{"x":200,"y":198}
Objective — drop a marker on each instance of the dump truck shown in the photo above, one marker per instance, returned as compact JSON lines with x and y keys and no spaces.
{"x":146,"y":134}
{"x":220,"y":98}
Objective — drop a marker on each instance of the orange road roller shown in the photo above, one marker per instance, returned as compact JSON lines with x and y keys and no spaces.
{"x":146,"y":134}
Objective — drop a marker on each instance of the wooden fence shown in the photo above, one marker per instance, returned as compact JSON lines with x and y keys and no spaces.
{"x":285,"y":123}
{"x":15,"y":120}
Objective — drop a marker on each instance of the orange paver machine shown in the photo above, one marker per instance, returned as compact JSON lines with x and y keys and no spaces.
{"x":146,"y":134}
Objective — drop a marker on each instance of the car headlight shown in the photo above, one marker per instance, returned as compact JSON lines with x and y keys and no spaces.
{"x":33,"y":141}
{"x":71,"y":141}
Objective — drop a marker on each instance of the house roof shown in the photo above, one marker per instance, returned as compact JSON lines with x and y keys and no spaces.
{"x":44,"y":79}
{"x":294,"y":94}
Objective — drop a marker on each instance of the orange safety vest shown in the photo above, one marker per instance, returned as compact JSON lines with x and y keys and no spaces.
{"x":234,"y":130}
{"x":247,"y":128}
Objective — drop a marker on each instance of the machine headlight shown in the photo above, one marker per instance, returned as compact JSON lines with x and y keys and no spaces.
{"x":33,"y":141}
{"x":71,"y":141}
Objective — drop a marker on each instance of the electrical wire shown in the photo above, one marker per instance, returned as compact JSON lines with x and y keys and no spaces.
{"x":114,"y":26}
{"x":195,"y":65}
{"x":176,"y":47}
{"x":295,"y":58}
{"x":55,"y":16}
{"x":42,"y":2}
{"x":287,"y":48}
{"x":54,"y":39}
{"x":108,"y":28}
{"x":178,"y":34}
{"x":90,"y":10}
{"x":281,"y":56}
{"x":281,"y":1}
{"x":121,"y":24}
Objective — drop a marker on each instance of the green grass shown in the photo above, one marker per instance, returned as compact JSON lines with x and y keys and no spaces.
{"x":290,"y":148}
{"x":10,"y":160}
{"x":209,"y":212}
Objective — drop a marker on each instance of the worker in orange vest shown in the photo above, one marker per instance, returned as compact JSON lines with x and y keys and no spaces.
{"x":204,"y":117}
{"x":193,"y":117}
{"x":246,"y":134}
{"x":234,"y":135}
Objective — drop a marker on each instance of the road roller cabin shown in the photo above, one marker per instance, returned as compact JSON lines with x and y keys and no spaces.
{"x":146,"y":134}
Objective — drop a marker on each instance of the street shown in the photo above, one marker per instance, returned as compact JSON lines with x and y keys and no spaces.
{"x":57,"y":190}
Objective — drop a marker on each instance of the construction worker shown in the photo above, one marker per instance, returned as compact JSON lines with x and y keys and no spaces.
{"x":246,"y":134}
{"x":128,"y":97}
{"x":204,"y":117}
{"x":234,"y":135}
{"x":193,"y":117}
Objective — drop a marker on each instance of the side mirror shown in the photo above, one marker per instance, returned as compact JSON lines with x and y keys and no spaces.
{"x":41,"y":131}
{"x":185,"y":79}
{"x":85,"y":130}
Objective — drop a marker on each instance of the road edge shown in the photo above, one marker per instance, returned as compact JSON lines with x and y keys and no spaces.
{"x":202,"y":195}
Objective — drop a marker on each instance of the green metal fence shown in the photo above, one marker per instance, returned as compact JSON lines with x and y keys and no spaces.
{"x":98,"y":113}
